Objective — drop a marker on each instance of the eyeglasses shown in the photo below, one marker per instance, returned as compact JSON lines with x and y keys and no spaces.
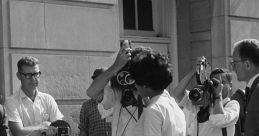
{"x":31,"y":75}
{"x":234,"y":62}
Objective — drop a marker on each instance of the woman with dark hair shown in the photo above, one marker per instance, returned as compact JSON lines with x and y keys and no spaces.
{"x":152,"y":74}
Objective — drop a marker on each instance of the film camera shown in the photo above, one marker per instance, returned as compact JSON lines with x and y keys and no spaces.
{"x":63,"y":128}
{"x":63,"y":131}
{"x":123,"y":81}
{"x":202,"y":94}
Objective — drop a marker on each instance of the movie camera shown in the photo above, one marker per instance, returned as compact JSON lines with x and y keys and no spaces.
{"x":202,"y":94}
{"x":124,"y":82}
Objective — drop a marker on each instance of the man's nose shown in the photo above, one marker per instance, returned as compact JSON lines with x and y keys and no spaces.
{"x":34,"y":77}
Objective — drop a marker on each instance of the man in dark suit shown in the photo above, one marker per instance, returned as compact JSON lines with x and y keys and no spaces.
{"x":246,"y":65}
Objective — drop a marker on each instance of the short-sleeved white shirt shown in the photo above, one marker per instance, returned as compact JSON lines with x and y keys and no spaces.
{"x":162,"y":117}
{"x":124,"y":119}
{"x":212,"y":127}
{"x":21,"y":108}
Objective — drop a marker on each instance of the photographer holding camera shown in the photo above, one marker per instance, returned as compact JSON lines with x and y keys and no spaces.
{"x":124,"y":116}
{"x":211,"y":112}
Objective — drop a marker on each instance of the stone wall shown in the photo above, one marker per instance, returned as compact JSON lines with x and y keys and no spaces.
{"x":70,"y":39}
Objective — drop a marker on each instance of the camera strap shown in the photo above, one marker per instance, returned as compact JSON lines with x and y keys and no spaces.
{"x":140,"y":106}
{"x":224,"y":131}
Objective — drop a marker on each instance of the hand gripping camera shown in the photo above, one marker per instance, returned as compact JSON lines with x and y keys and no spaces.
{"x":202,"y":94}
{"x":63,"y":128}
{"x":124,"y":82}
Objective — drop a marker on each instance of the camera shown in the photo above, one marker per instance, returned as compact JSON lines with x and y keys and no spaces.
{"x":202,"y":94}
{"x":124,"y":82}
{"x":63,"y":131}
{"x":63,"y":128}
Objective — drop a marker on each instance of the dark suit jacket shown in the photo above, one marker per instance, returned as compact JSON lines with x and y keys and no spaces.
{"x":239,"y":96}
{"x":252,"y":111}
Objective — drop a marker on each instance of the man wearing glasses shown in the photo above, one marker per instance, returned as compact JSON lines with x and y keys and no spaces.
{"x":246,"y":65}
{"x":30,"y":111}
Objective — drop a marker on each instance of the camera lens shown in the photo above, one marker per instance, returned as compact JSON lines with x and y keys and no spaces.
{"x":195,"y":94}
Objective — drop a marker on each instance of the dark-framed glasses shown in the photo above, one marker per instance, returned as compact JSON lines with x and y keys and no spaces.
{"x":31,"y":75}
{"x":234,"y":62}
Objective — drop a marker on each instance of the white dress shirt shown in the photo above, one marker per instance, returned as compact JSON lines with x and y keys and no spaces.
{"x":162,"y":117}
{"x":21,"y":108}
{"x":212,"y":127}
{"x":123,"y":120}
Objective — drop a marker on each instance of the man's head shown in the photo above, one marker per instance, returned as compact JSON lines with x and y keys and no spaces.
{"x":28,"y":72}
{"x":226,"y":79}
{"x":245,"y":59}
{"x":150,"y":70}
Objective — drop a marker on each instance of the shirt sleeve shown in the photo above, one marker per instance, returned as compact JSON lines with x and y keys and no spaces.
{"x":84,"y":120}
{"x":110,"y":97}
{"x":55,"y":113}
{"x":230,"y":116}
{"x":152,"y":121}
{"x":12,"y":111}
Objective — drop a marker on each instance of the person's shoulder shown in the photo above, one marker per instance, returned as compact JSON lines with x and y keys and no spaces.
{"x":42,"y":94}
{"x":89,"y":102}
{"x":12,"y":99}
{"x":46,"y":97}
{"x":232,"y":102}
{"x":161,"y":101}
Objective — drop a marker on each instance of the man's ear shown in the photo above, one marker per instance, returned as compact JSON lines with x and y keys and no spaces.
{"x":249,"y":65}
{"x":18,"y":75}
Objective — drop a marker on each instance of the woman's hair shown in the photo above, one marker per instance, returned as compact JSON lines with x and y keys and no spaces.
{"x":150,"y":68}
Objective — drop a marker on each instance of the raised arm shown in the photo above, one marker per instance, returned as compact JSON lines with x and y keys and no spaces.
{"x":96,"y":88}
{"x":178,"y":92}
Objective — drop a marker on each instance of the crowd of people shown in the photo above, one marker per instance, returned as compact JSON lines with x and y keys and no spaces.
{"x":131,"y":98}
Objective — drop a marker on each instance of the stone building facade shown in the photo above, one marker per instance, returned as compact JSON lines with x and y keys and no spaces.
{"x":73,"y":37}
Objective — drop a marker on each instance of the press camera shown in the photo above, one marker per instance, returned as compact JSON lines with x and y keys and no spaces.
{"x":63,"y":128}
{"x":202,"y":94}
{"x":63,"y":131}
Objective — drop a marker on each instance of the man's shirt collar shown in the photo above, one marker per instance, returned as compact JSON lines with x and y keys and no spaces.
{"x":23,"y":95}
{"x":249,"y":84}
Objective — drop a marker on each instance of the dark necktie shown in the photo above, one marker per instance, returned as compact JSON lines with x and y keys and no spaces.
{"x":140,"y":106}
{"x":247,"y":89}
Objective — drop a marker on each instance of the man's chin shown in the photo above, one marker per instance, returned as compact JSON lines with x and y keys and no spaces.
{"x":34,"y":87}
